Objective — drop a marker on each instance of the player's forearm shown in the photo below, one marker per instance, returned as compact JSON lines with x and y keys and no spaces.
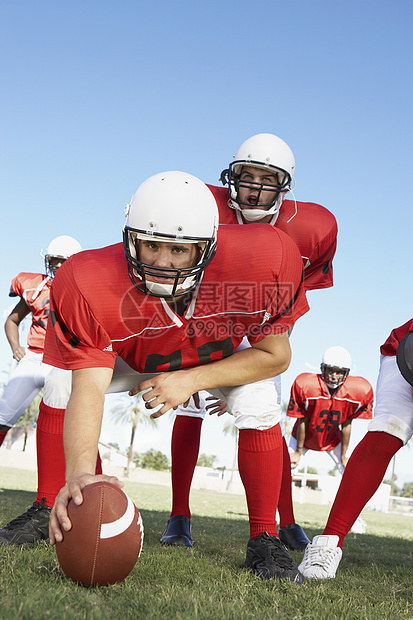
{"x":12,"y":334}
{"x":246,"y":366}
{"x":83,"y":420}
{"x":301,"y":434}
{"x":345,"y":440}
{"x":81,"y":438}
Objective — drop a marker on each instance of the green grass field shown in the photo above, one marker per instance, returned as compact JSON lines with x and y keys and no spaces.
{"x":375,"y":578}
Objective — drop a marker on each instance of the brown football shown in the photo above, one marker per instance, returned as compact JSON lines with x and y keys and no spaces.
{"x":106,"y":536}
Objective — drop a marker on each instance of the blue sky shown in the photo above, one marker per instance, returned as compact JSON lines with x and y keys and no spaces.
{"x":98,"y":95}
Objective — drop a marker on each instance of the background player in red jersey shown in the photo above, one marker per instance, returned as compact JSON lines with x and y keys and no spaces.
{"x":177,"y":327}
{"x":258,"y":179}
{"x":27,"y":378}
{"x":325,"y":405}
{"x":390,"y":429}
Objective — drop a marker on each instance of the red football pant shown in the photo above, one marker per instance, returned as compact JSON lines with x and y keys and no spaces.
{"x":260,"y":457}
{"x":285,"y":503}
{"x":2,"y":437}
{"x":51,"y":466}
{"x":362,"y":477}
{"x":184,"y":452}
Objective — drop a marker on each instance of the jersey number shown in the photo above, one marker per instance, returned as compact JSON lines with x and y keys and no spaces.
{"x":174,"y":359}
{"x":332,"y":418}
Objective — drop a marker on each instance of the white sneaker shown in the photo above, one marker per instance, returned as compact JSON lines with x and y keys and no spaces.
{"x":359,"y":526}
{"x":321,"y":558}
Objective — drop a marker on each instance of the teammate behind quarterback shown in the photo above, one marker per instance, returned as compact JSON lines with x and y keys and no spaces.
{"x":258,"y":180}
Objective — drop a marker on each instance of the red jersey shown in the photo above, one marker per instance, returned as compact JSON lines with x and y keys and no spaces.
{"x":313,"y":228}
{"x":251,"y":288}
{"x":393,"y":341}
{"x":311,"y":399}
{"x":34,"y":289}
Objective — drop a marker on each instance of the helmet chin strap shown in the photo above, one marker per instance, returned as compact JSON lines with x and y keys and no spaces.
{"x":295,"y":206}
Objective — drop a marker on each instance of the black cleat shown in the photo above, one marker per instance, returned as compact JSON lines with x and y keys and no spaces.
{"x":178,"y":532}
{"x":269,"y":559}
{"x":293,"y":537}
{"x":29,"y":528}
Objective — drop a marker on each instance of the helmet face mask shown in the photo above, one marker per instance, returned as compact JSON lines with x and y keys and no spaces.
{"x":335,"y":366}
{"x":333,"y":376}
{"x":174,"y":208}
{"x":235,"y":183}
{"x":59,"y":250}
{"x":52,"y":264}
{"x":269,"y":154}
{"x":185,"y":279}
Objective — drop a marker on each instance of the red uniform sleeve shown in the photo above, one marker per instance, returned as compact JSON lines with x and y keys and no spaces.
{"x":364,"y":393}
{"x":393,"y":341}
{"x":15,"y":287}
{"x":286,"y":301}
{"x":74,"y":339}
{"x":314,"y":229}
{"x":319,"y":274}
{"x":296,"y":405}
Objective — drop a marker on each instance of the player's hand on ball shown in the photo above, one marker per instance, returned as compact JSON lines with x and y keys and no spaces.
{"x":59,"y":519}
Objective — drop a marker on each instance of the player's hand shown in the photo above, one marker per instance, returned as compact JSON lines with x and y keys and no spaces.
{"x":19,"y":353}
{"x":167,"y":391}
{"x":295,"y":459}
{"x":59,"y":520}
{"x":218,"y":406}
{"x":344,"y":460}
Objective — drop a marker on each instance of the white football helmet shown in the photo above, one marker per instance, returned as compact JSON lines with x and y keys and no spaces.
{"x":170,"y":206}
{"x":60,"y":247}
{"x":267,"y":151}
{"x":335,"y":366}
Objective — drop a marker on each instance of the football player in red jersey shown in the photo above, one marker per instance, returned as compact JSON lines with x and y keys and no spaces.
{"x":27,"y":377}
{"x":175,"y":311}
{"x":258,"y":179}
{"x":325,"y":405}
{"x":390,"y":429}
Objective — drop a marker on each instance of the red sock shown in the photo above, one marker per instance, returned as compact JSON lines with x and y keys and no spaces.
{"x":98,"y":469}
{"x":185,"y":448}
{"x":2,"y":437}
{"x":51,"y":465}
{"x":260,"y":463}
{"x":285,"y":503}
{"x":362,"y":477}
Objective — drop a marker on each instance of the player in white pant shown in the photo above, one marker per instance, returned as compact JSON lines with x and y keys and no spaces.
{"x":28,"y":375}
{"x":390,"y":429}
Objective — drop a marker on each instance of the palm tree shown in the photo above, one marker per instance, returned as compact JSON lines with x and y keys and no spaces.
{"x":132,"y":411}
